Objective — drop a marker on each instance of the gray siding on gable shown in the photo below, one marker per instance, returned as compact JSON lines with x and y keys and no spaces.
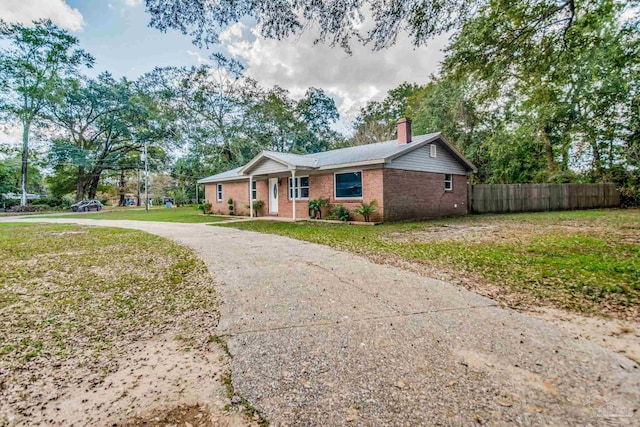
{"x":420,"y":160}
{"x":268,"y":166}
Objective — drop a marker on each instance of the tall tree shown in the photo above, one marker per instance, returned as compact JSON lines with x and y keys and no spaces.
{"x":31,"y":67}
{"x":377,"y":120}
{"x":211,"y":104}
{"x":565,"y":74}
{"x":104,"y":122}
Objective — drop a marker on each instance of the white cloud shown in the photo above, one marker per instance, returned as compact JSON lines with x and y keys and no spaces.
{"x":26,"y":11}
{"x":297,"y":64}
{"x":10,"y":133}
{"x":132,"y":3}
{"x":196,"y":54}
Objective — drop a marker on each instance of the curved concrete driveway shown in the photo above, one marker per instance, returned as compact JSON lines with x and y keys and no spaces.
{"x":321,"y":337}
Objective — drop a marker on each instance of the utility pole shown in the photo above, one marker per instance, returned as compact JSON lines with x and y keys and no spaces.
{"x":197,"y":198}
{"x":146,"y":178}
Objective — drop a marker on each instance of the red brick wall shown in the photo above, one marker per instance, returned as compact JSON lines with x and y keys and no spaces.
{"x":238,"y":191}
{"x":322,"y":186}
{"x":262,"y":188}
{"x":414,"y":195}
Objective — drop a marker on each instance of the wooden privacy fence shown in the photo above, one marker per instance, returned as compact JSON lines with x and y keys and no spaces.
{"x":502,"y":198}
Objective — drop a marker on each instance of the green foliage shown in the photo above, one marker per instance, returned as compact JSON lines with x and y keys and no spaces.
{"x":32,"y":67}
{"x":228,"y":119}
{"x":316,"y":205}
{"x":257,"y":206}
{"x":56,"y":203}
{"x":11,"y":172}
{"x":339,"y":212}
{"x":107,"y":122}
{"x":179,"y":195}
{"x":421,"y":19}
{"x":7,"y":181}
{"x":205,"y":208}
{"x":366,"y":209}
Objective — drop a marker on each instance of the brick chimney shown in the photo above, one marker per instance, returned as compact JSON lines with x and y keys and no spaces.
{"x":404,"y":131}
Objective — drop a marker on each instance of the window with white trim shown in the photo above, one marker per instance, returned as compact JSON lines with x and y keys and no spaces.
{"x":219,"y":192}
{"x":433,"y":148}
{"x":448,"y":182}
{"x":254,"y":190}
{"x":300,"y":189}
{"x":348,"y":185}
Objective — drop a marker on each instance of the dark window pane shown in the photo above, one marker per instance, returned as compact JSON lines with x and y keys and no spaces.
{"x":349,"y":184}
{"x":304,"y":193}
{"x":304,"y":181}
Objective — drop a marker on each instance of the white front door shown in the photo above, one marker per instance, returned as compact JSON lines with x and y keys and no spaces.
{"x":273,"y":195}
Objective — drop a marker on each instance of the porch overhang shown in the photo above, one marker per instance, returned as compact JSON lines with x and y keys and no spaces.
{"x":274,"y":166}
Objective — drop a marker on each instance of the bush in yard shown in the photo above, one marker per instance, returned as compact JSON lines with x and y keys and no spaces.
{"x":630,"y":197}
{"x":8,"y":203}
{"x":366,"y":209}
{"x":28,"y":208}
{"x":230,"y":203}
{"x":205,"y":208}
{"x":339,"y":212}
{"x":257,"y":205}
{"x":51,"y":203}
{"x":315,"y":207}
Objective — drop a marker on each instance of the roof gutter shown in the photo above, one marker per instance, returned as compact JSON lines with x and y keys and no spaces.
{"x":230,"y":178}
{"x":351,"y":164}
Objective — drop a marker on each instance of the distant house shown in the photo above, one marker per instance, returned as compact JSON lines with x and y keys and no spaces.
{"x":411,"y":177}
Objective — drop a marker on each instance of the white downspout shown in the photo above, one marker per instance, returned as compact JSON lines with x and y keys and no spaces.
{"x":250,"y":196}
{"x":293,"y":182}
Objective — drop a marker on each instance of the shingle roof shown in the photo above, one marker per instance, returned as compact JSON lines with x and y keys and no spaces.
{"x":360,"y":153}
{"x":302,"y":160}
{"x":224,"y":176}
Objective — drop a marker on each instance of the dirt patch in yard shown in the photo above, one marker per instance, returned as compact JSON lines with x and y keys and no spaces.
{"x":510,"y":231}
{"x":160,"y":381}
{"x":119,"y":329}
{"x":621,"y":336}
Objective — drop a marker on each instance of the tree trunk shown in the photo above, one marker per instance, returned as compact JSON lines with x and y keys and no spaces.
{"x":138,"y":201}
{"x":122,"y":183}
{"x":93,"y":183}
{"x":80,"y":184}
{"x":548,"y":151}
{"x":597,"y":161}
{"x":25,"y":158}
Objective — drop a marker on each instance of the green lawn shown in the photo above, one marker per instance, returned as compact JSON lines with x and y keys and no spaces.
{"x":587,"y":261}
{"x":75,"y":295}
{"x":188,"y":214}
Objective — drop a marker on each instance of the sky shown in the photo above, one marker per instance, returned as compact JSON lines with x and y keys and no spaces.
{"x":116,"y":33}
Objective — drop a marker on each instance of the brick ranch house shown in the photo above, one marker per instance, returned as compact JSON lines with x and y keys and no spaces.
{"x":410,"y":178}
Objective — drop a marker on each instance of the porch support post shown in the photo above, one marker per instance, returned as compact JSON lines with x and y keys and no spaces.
{"x":250,"y":196}
{"x":293,"y":181}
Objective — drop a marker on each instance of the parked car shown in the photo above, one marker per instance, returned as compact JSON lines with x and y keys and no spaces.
{"x":86,"y":206}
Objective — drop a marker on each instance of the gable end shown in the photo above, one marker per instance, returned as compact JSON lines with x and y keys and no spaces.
{"x":421,"y":160}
